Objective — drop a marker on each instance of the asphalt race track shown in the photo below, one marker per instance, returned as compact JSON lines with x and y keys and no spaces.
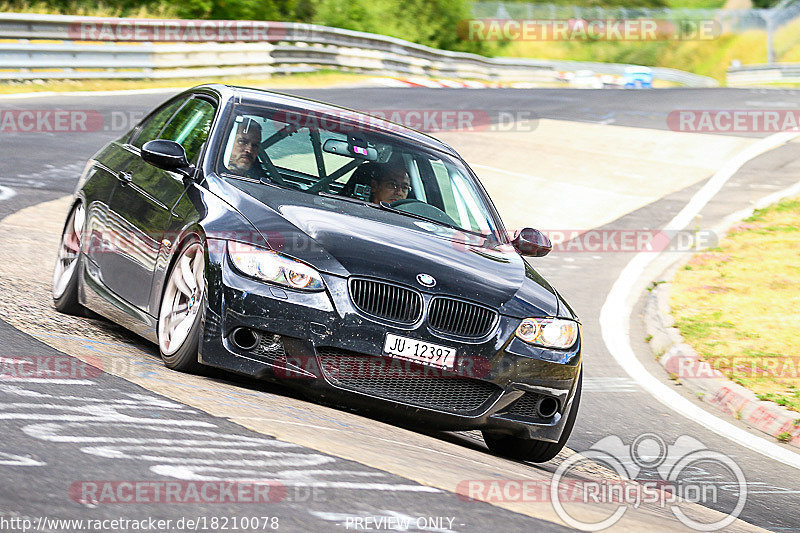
{"x":57,"y":434}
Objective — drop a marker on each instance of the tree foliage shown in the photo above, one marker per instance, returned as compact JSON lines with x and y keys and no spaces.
{"x":429,"y":22}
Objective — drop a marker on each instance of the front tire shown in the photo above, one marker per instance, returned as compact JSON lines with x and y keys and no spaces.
{"x":66,"y":272}
{"x":535,"y":451}
{"x":181,"y":310}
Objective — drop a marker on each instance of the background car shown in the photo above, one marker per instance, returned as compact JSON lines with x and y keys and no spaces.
{"x":359,"y":260}
{"x":586,"y":79}
{"x":638,"y":77}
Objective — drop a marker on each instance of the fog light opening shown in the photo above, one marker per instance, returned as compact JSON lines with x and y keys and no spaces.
{"x":547,"y":407}
{"x":244,"y":338}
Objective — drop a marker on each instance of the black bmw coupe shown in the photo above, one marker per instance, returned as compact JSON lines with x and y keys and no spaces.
{"x":305,"y":243}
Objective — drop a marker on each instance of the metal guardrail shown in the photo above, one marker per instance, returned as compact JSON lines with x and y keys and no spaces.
{"x":768,"y":73}
{"x":283,"y":47}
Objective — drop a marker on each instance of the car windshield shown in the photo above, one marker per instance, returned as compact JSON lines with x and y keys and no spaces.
{"x":326,"y":155}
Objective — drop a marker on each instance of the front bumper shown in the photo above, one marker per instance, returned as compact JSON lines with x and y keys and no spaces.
{"x":319,"y":342}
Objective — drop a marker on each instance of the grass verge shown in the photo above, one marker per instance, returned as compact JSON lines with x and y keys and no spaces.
{"x":705,"y":57}
{"x":322,"y":78}
{"x":738,"y":305}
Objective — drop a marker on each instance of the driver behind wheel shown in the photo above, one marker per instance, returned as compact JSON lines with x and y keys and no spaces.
{"x":390,"y":184}
{"x":244,"y":152}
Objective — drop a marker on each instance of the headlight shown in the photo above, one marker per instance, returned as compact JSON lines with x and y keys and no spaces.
{"x":273,"y":267}
{"x":548,"y":332}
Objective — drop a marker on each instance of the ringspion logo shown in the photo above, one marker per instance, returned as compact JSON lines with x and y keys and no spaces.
{"x":648,"y":471}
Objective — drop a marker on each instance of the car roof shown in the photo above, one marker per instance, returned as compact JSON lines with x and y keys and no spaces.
{"x":248,"y":95}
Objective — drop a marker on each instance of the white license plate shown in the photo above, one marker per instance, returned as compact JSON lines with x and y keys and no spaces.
{"x":422,"y":352}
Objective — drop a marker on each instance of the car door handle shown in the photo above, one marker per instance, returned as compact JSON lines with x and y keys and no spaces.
{"x":125,"y":177}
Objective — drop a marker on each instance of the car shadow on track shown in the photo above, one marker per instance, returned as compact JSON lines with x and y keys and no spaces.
{"x":467,"y":439}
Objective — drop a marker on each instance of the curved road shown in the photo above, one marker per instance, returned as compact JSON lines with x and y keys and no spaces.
{"x":38,"y":465}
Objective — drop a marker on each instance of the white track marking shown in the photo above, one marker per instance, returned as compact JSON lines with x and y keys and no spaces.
{"x":192,"y":473}
{"x":184,"y":449}
{"x":601,"y":384}
{"x":294,"y":474}
{"x":730,"y":220}
{"x":51,"y":432}
{"x":274,"y":458}
{"x":616,"y":313}
{"x":6,"y":193}
{"x":9,"y":459}
{"x":131,"y":451}
{"x":47,"y":176}
{"x":6,"y":379}
{"x":79,"y":418}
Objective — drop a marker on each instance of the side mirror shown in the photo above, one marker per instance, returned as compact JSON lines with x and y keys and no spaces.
{"x":166,"y":155}
{"x":532,"y":242}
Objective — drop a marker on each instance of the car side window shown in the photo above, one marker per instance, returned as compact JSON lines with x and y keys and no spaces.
{"x":190,"y":126}
{"x":155,"y":123}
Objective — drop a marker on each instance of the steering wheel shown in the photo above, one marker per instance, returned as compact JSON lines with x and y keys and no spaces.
{"x":418,"y":207}
{"x":406,"y":201}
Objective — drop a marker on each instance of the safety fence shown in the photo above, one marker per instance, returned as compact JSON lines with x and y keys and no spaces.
{"x":72,"y":47}
{"x":766,"y":74}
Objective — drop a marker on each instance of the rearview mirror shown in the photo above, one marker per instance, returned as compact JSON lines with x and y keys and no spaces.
{"x":358,"y":151}
{"x":532,"y":242}
{"x":166,"y":155}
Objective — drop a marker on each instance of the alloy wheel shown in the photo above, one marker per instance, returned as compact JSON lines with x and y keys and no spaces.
{"x":69,"y":251}
{"x":182,"y":299}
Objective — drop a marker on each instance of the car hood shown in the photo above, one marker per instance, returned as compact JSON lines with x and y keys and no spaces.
{"x":351,"y":239}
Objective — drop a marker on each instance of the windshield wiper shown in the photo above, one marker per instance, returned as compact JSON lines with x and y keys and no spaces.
{"x":386,"y":207}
